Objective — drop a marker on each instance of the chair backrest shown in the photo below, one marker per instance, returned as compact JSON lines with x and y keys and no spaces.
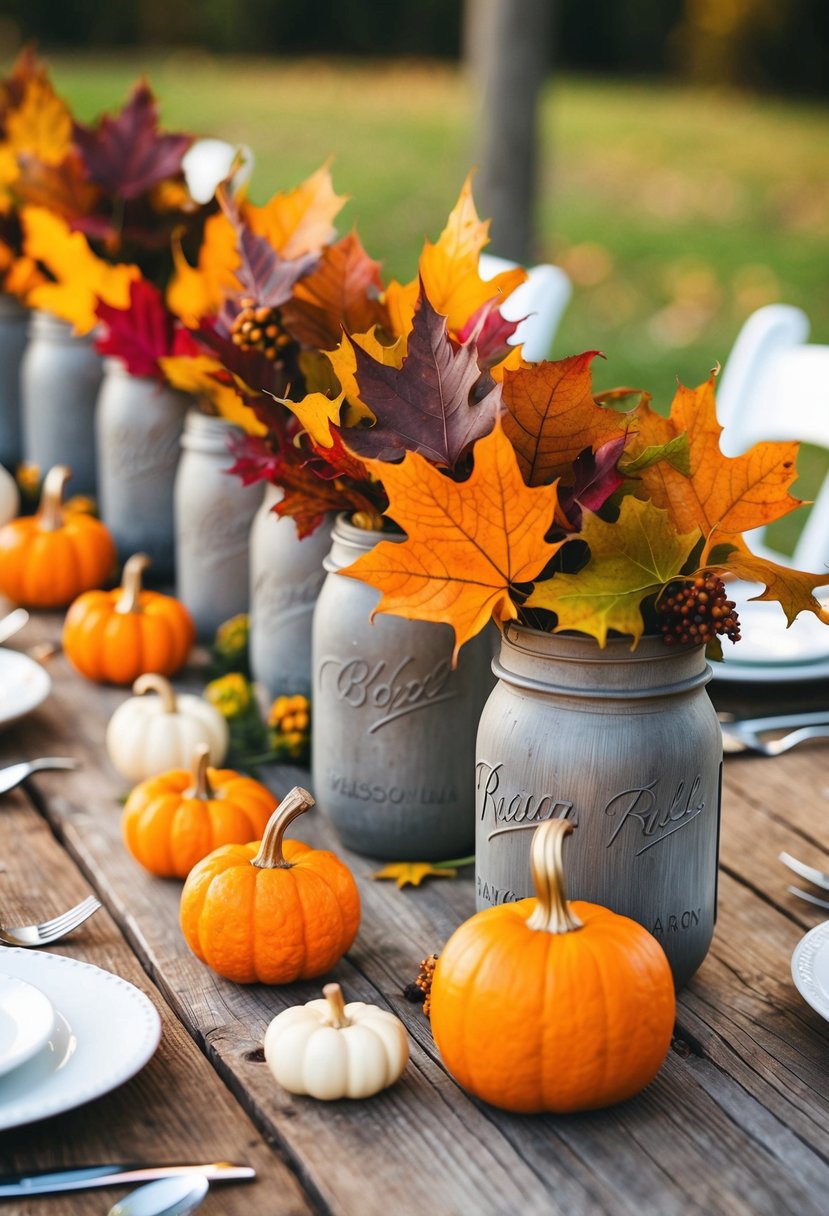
{"x":775,"y":386}
{"x":208,"y":162}
{"x":540,"y":301}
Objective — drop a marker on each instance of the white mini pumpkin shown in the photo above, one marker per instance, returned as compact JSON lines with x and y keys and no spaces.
{"x":9,"y":497}
{"x":147,"y":736}
{"x":332,"y":1050}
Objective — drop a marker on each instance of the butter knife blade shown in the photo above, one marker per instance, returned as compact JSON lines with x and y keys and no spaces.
{"x":81,"y":1178}
{"x":756,"y":726}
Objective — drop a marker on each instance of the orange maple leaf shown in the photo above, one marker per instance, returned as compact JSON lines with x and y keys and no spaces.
{"x":41,"y":124}
{"x":467,"y":544}
{"x":792,"y":589}
{"x":721,"y":495}
{"x":449,"y":272}
{"x":340,"y":293}
{"x":300,"y":221}
{"x":552,"y":417}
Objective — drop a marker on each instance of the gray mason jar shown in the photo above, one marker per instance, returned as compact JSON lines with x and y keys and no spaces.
{"x":286,"y":575}
{"x":60,"y":376}
{"x":138,"y":427}
{"x":14,"y":323}
{"x":626,"y":745}
{"x":213,"y":513}
{"x":393,"y":731}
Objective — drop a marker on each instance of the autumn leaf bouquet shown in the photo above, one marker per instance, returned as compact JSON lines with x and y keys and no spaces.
{"x":521,"y":494}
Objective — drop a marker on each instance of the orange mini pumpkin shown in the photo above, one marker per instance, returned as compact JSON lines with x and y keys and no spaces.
{"x":48,"y":558}
{"x":543,"y":1005}
{"x":172,"y":821}
{"x":116,"y":636}
{"x":271,"y":912}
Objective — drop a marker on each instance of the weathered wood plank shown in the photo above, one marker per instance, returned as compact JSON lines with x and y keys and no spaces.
{"x":150,"y":1118}
{"x":717,"y":1132}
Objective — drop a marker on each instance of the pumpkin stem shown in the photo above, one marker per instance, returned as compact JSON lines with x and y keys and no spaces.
{"x":201,"y":787}
{"x":295,"y":803}
{"x":333,"y":993}
{"x":131,"y":583}
{"x":152,"y":682}
{"x":50,"y":511}
{"x":552,"y":913}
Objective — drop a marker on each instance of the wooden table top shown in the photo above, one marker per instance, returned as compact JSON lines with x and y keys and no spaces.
{"x":737,"y":1121}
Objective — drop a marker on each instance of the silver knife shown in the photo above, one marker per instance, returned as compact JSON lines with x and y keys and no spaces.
{"x":84,"y":1177}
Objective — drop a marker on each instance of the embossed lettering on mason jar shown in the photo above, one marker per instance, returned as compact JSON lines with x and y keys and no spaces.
{"x":657,"y":820}
{"x":360,"y":683}
{"x":274,"y":598}
{"x":522,"y":809}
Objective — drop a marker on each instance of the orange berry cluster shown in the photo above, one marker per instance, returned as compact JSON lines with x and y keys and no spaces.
{"x":695,"y":611}
{"x":421,"y":988}
{"x":258,"y":328}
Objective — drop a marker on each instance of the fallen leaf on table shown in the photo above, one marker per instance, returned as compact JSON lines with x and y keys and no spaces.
{"x":412,"y":873}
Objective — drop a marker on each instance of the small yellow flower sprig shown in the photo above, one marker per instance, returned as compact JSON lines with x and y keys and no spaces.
{"x":229,"y":652}
{"x":289,"y":721}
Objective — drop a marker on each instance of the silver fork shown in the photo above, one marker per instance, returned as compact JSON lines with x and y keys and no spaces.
{"x":811,"y":874}
{"x":15,"y":773}
{"x":50,"y":930}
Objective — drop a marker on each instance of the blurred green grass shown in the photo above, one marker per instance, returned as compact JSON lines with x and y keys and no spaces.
{"x":676,"y":211}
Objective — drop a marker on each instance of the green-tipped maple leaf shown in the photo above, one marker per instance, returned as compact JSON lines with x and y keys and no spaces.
{"x":467,"y":544}
{"x":722,"y":496}
{"x":437,"y":403}
{"x":552,"y":417}
{"x":629,"y":560}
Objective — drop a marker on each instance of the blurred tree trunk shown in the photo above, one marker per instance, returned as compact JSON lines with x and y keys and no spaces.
{"x":506,"y":47}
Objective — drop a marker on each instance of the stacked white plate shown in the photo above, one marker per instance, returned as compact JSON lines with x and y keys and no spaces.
{"x":768,"y":651}
{"x":69,"y":1032}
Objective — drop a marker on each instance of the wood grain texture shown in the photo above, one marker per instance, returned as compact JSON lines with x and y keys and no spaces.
{"x":736,"y":1122}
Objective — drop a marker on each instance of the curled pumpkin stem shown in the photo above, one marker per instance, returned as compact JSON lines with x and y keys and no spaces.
{"x":131,"y":583}
{"x":296,"y":802}
{"x":151,"y":681}
{"x":333,"y":993}
{"x":201,"y":787}
{"x":552,"y":913}
{"x":50,"y":511}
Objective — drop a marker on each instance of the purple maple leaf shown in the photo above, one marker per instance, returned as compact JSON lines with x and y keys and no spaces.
{"x":596,"y":477}
{"x":262,"y":274}
{"x":126,"y":155}
{"x":438,"y":403}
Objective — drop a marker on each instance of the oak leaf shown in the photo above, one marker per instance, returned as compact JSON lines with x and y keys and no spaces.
{"x":127,"y":155}
{"x":468,"y":544}
{"x":412,"y":873}
{"x":722,"y":496}
{"x":552,"y":417}
{"x":300,"y":221}
{"x":449,"y":272}
{"x":81,"y":280}
{"x":340,"y":293}
{"x":437,"y":403}
{"x":629,"y":560}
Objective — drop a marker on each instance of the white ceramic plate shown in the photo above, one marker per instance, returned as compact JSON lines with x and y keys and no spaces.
{"x":26,"y":1021}
{"x":105,"y":1031}
{"x":24,"y":684}
{"x":810,"y":968}
{"x":769,"y":651}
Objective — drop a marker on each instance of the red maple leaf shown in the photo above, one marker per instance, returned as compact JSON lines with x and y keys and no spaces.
{"x":493,"y":335}
{"x":596,"y":477}
{"x":438,"y":403}
{"x":141,"y":334}
{"x":127,"y":155}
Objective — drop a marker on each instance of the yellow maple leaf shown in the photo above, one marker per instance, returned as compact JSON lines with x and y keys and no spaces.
{"x":412,"y":873}
{"x":552,"y":417}
{"x":318,"y":414}
{"x":196,"y":375}
{"x":629,"y":560}
{"x":449,"y":271}
{"x":80,"y":278}
{"x":9,"y":173}
{"x":42,"y":124}
{"x":792,"y":589}
{"x":344,"y":362}
{"x":722,"y":496}
{"x":467,"y":543}
{"x":300,"y":221}
{"x":197,"y":291}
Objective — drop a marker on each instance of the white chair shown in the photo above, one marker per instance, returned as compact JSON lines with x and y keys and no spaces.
{"x":207,"y":162}
{"x":540,"y":301}
{"x":775,"y":386}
